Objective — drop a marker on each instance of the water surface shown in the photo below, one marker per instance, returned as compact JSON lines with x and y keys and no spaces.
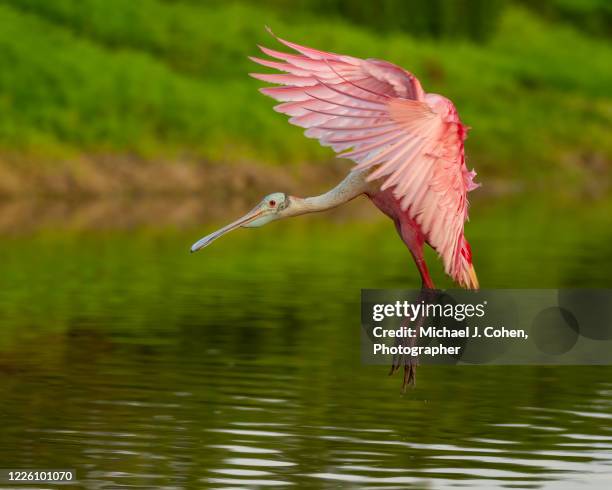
{"x":142,"y":366}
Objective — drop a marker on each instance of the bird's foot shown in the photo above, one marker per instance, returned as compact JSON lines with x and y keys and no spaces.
{"x":410,"y":364}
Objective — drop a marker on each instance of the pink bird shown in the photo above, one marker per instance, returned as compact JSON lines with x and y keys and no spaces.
{"x":407,"y":144}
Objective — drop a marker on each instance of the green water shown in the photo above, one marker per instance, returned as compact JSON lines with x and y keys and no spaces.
{"x":142,"y":366}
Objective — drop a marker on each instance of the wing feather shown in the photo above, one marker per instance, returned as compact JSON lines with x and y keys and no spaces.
{"x":377,"y":114}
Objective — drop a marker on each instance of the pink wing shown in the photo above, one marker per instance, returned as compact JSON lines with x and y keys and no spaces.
{"x":381,"y":115}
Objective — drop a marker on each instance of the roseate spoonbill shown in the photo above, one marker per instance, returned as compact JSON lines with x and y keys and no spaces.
{"x":408,"y":146}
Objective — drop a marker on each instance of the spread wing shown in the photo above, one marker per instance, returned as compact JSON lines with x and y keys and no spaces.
{"x":377,"y":114}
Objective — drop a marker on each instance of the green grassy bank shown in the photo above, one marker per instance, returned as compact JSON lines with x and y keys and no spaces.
{"x":168,"y":80}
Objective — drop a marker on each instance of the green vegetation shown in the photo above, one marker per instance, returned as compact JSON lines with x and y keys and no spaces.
{"x":169,"y":78}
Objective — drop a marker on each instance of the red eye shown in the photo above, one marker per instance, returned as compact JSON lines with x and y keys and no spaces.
{"x":272,"y":203}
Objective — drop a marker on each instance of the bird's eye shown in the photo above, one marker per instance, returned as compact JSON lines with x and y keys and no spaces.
{"x":272,"y":203}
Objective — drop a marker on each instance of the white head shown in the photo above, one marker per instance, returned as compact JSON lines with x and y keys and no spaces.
{"x":271,"y":207}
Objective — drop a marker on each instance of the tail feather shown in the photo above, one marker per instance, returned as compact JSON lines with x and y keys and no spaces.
{"x":473,"y":284}
{"x":465,"y":274}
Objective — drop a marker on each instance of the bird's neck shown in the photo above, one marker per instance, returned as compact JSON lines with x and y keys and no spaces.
{"x":353,"y":185}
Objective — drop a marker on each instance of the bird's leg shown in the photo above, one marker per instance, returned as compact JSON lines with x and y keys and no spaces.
{"x":414,"y":240}
{"x":410,"y":363}
{"x":426,"y":281}
{"x":408,"y":230}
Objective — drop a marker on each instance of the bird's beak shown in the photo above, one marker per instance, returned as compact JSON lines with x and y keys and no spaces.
{"x":251,"y":216}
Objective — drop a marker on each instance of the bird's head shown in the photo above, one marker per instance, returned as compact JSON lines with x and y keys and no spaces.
{"x":271,"y":207}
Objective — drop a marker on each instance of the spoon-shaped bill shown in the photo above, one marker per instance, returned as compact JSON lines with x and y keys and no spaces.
{"x":208,"y":239}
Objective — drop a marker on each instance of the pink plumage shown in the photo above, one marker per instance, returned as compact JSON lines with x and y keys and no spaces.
{"x":378,"y":115}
